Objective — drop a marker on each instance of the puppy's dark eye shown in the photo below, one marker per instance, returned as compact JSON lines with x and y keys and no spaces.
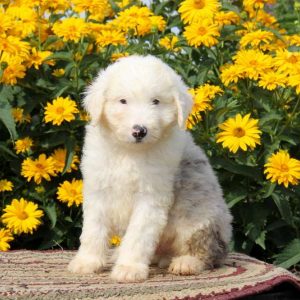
{"x":155,"y":102}
{"x":123,"y":101}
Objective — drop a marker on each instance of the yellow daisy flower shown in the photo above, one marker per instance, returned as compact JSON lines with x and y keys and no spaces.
{"x":70,"y":29}
{"x":123,"y":3}
{"x":114,"y":57}
{"x":61,"y":109}
{"x":271,"y":80}
{"x":70,"y":192}
{"x":266,"y":19}
{"x":37,"y":169}
{"x":13,"y":45}
{"x":192,"y":11}
{"x":58,"y":72}
{"x":202,"y":97}
{"x":25,"y":20}
{"x":192,"y":121}
{"x":253,"y":63}
{"x":230,"y":74}
{"x":58,"y":6}
{"x":226,"y":18}
{"x":248,"y":26}
{"x":39,"y":189}
{"x":37,"y":58}
{"x":169,"y":42}
{"x":6,"y":185}
{"x":157,"y":23}
{"x":59,"y":157}
{"x":5,"y":23}
{"x":83,"y":115}
{"x":256,"y":38}
{"x":98,"y":9}
{"x":294,"y":81}
{"x":89,"y":5}
{"x":286,"y":61}
{"x":239,"y":132}
{"x":115,"y":241}
{"x":136,"y":20}
{"x":23,"y":145}
{"x":13,"y":71}
{"x":294,"y":39}
{"x":19,"y":116}
{"x":111,"y":37}
{"x":282,"y":169}
{"x":257,"y":4}
{"x":22,"y":216}
{"x":203,"y":32}
{"x":5,"y":238}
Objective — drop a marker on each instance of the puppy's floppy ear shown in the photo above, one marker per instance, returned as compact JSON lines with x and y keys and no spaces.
{"x":94,"y":99}
{"x":184,"y":103}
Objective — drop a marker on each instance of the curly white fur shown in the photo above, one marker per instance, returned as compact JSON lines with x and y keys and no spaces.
{"x":160,"y":194}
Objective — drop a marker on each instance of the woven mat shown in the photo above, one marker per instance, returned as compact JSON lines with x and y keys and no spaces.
{"x":43,"y":275}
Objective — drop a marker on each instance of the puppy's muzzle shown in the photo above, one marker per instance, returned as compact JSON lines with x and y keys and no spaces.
{"x":139,"y":132}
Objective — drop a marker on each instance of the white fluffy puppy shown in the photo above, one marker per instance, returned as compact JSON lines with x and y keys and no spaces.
{"x":145,"y":179}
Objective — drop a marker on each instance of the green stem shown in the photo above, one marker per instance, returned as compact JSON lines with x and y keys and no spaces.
{"x":291,"y":117}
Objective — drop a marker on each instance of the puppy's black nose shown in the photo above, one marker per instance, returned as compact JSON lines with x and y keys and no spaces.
{"x":139,"y":132}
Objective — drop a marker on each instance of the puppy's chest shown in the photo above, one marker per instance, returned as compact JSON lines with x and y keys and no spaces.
{"x":119,"y":176}
{"x":120,"y":183}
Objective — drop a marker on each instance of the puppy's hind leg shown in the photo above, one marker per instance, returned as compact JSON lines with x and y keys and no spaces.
{"x":204,"y":249}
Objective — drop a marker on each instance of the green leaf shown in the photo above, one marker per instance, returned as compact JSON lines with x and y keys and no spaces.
{"x":260,"y":239}
{"x":270,"y":117}
{"x":284,"y":208}
{"x":7,"y":118}
{"x":50,"y":210}
{"x":60,"y":91}
{"x":235,"y":168}
{"x":290,"y":255}
{"x":70,"y":146}
{"x":232,"y":202}
{"x":114,"y":6}
{"x":68,"y":219}
{"x":256,"y":234}
{"x":4,"y":148}
{"x":289,"y":139}
{"x":50,"y":40}
{"x":60,"y":55}
{"x":269,"y":189}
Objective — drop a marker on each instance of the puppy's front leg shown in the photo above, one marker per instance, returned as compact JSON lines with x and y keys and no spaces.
{"x":91,"y":256}
{"x":140,"y":241}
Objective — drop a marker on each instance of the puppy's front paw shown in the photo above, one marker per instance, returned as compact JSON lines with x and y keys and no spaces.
{"x":130,"y":273}
{"x":86,"y":264}
{"x":186,"y":265}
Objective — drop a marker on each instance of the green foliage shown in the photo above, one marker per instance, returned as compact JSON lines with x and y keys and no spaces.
{"x":266,"y":215}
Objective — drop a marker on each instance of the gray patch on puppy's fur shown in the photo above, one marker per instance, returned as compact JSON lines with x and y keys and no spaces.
{"x":189,"y":177}
{"x":208,"y":246}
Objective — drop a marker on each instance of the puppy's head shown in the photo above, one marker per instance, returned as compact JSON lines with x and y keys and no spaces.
{"x":138,"y":98}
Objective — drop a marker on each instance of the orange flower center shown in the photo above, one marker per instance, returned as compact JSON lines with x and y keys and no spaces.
{"x":284,"y":168}
{"x":22,"y":215}
{"x":253,"y":62}
{"x":73,"y":193}
{"x":199,"y":4}
{"x":5,"y":45}
{"x":60,"y":110}
{"x":238,"y":132}
{"x":202,"y":31}
{"x":40,"y":166}
{"x":292,"y":59}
